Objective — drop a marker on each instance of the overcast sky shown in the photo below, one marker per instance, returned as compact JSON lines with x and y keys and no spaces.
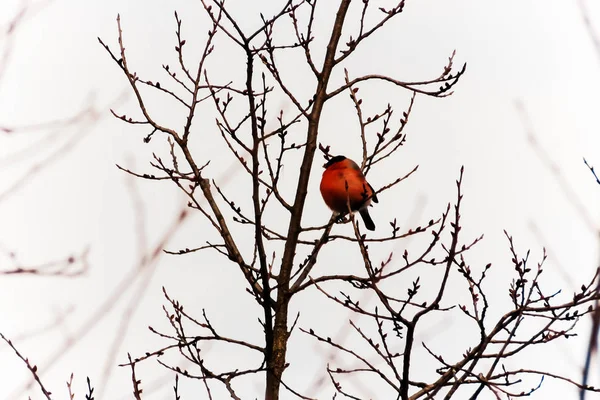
{"x":522,"y":52}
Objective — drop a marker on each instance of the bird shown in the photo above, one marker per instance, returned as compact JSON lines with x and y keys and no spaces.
{"x":344,"y":188}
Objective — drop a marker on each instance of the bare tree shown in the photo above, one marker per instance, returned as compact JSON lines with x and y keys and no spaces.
{"x":264,"y":138}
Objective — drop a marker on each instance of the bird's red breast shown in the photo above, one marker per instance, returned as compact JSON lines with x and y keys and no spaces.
{"x":344,"y":184}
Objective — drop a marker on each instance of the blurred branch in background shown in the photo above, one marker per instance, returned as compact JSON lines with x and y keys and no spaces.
{"x":69,"y":267}
{"x":40,"y":145}
{"x":554,"y":169}
{"x":8,"y":28}
{"x":593,"y":33}
{"x":572,"y":197}
{"x":586,"y":218}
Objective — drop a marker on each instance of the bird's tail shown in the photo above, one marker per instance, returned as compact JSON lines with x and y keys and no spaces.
{"x":369,"y":224}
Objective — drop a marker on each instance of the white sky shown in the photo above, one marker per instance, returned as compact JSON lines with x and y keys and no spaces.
{"x":530,"y":51}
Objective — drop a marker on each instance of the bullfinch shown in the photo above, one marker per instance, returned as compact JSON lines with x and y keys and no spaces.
{"x":343,"y":185}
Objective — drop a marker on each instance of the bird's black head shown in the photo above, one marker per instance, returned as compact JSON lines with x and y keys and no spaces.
{"x":333,"y":160}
